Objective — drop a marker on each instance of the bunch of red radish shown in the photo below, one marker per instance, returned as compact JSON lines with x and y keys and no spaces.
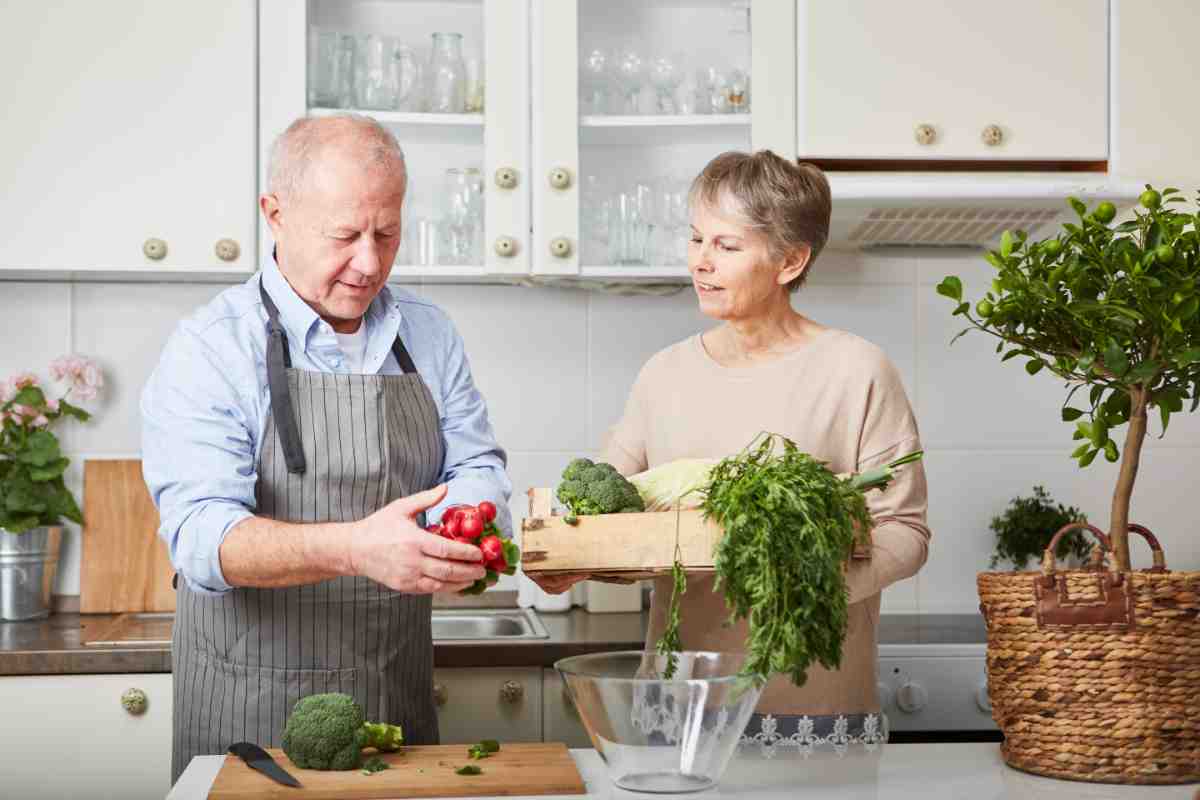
{"x":477,"y":525}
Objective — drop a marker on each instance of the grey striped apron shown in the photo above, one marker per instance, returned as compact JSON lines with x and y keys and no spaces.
{"x":336,"y":448}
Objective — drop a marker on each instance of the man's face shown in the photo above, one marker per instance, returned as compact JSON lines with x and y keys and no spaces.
{"x":337,"y":233}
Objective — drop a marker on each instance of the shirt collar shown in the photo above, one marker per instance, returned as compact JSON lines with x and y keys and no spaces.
{"x":298,"y":317}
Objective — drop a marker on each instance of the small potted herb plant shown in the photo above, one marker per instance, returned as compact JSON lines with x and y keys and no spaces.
{"x":1025,"y":527}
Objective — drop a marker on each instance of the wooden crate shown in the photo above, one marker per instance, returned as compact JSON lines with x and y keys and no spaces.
{"x":623,"y":546}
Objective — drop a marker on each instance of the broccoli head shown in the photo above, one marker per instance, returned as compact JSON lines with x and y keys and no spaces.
{"x":597,"y":488}
{"x":329,"y":732}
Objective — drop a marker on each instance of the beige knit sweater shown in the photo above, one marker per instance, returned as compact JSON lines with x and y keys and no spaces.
{"x":840,"y":399}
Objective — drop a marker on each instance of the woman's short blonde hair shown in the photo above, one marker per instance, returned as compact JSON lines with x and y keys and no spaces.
{"x":787,"y":202}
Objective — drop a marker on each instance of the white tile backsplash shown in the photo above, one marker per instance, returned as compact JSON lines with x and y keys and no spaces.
{"x":556,"y":365}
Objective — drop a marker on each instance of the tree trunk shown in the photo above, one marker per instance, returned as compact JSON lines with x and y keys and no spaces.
{"x":1131,"y":455}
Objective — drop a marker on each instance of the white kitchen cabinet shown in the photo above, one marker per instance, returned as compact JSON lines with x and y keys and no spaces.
{"x":495,"y":142}
{"x":603,"y":153}
{"x":502,"y":703}
{"x":128,"y":143}
{"x":68,"y":736}
{"x":872,"y":72}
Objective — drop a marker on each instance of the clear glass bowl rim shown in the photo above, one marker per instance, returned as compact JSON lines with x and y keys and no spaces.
{"x":566,"y":667}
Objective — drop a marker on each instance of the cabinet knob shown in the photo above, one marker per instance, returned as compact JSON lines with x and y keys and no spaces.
{"x":992,"y":135}
{"x":155,"y":249}
{"x":926,"y":134}
{"x":560,"y":178}
{"x":911,"y":697}
{"x":506,"y":178}
{"x":440,"y":694}
{"x":134,"y":701}
{"x":512,"y":692}
{"x":560,"y":247}
{"x":506,"y":246}
{"x":227,"y":250}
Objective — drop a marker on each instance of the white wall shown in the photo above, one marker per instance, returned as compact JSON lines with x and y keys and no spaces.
{"x":555,"y":366}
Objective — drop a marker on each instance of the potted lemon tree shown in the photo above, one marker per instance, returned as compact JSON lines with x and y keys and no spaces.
{"x":1105,"y":685}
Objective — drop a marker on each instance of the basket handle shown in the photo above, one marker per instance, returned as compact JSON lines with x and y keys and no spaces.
{"x":1050,"y":564}
{"x":1156,"y":550}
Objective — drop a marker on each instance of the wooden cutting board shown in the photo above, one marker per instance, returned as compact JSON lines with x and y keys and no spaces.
{"x":418,"y":771}
{"x":124,"y":566}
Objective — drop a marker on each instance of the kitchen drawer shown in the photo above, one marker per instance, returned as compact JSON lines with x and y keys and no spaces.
{"x":503,"y":703}
{"x":68,"y":736}
{"x":560,"y":720}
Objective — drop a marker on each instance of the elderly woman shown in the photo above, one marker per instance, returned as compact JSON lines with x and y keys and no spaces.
{"x":758,"y":225}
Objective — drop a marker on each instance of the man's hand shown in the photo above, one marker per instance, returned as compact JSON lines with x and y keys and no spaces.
{"x":389,"y":547}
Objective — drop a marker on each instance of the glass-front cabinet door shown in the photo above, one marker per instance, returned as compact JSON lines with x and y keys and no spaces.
{"x":631,"y":98}
{"x":451,"y":81}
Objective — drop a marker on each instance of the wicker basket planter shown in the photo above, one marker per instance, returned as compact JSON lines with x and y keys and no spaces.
{"x":1094,"y":674}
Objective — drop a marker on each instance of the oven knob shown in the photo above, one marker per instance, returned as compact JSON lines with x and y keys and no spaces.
{"x":982,"y":699}
{"x":911,"y":697}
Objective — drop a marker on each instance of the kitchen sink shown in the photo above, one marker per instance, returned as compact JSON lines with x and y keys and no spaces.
{"x":459,"y":624}
{"x":484,"y":623}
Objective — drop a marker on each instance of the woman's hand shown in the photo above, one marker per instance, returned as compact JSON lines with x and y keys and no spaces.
{"x":389,"y":547}
{"x":557,"y":584}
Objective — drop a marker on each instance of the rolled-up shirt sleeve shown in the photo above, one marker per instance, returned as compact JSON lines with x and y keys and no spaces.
{"x":198,"y":455}
{"x":475,"y":467}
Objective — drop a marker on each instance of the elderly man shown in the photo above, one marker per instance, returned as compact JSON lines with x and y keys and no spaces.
{"x":295,"y":431}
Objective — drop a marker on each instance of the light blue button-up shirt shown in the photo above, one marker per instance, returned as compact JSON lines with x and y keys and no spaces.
{"x":205,"y":407}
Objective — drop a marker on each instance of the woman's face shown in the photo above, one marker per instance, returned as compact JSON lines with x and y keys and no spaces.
{"x":732,"y":271}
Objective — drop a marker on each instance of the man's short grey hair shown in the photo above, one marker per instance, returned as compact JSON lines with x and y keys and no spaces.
{"x":293,"y":151}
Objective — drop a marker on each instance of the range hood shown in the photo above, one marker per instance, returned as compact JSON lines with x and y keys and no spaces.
{"x":960,"y":209}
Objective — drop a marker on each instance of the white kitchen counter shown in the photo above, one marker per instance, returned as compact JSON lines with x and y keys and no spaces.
{"x":899,"y":772}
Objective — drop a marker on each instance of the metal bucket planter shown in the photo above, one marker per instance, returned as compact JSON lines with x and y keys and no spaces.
{"x":28,"y":564}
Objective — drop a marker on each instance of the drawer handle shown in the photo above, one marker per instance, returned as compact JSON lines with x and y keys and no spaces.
{"x":155,"y":249}
{"x":134,"y":701}
{"x":926,"y":134}
{"x":440,"y":694}
{"x":512,"y":692}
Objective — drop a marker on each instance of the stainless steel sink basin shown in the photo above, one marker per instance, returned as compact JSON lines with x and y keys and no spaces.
{"x":465,"y":624}
{"x":476,"y":624}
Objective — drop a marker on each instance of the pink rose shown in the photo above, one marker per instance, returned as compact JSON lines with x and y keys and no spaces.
{"x":24,"y":379}
{"x":52,"y":405}
{"x":83,"y":375}
{"x":40,"y":421}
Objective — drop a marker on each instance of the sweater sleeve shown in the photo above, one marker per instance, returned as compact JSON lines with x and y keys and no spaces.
{"x":624,"y":444}
{"x":900,"y":536}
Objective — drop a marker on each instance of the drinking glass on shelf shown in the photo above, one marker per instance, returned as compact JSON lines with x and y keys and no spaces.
{"x":475,"y":84}
{"x":322,"y":67}
{"x":666,"y":74}
{"x":737,"y":91}
{"x":425,"y":245}
{"x":447,"y":75}
{"x":628,"y":230}
{"x":630,"y":75}
{"x":406,"y":77}
{"x":344,"y":73}
{"x":374,"y":77}
{"x":595,"y":81}
{"x":595,"y":209}
{"x":710,"y":85}
{"x":462,"y":215}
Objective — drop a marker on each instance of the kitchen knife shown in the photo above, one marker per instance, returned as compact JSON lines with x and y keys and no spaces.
{"x":260,"y":760}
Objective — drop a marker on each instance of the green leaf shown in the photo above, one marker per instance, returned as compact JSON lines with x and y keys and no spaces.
{"x":49,"y":472}
{"x":31,"y":396}
{"x":1110,"y":451}
{"x":1083,"y":448}
{"x":951,"y":287}
{"x":469,"y":769}
{"x":1188,"y":357}
{"x":1085,"y":428}
{"x":1115,"y":359}
{"x":1016,"y":351}
{"x":1164,"y":414}
{"x":1006,"y":245}
{"x":40,"y":449}
{"x":1143,"y":372}
{"x":1189,"y":307}
{"x":1088,"y":457}
{"x":1071,"y":414}
{"x":1078,"y":205}
{"x":1099,"y":433}
{"x":1153,"y":238}
{"x":962,"y":308}
{"x":1034,"y":366}
{"x":1127,"y":226}
{"x":73,"y":411}
{"x":993,"y":259}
